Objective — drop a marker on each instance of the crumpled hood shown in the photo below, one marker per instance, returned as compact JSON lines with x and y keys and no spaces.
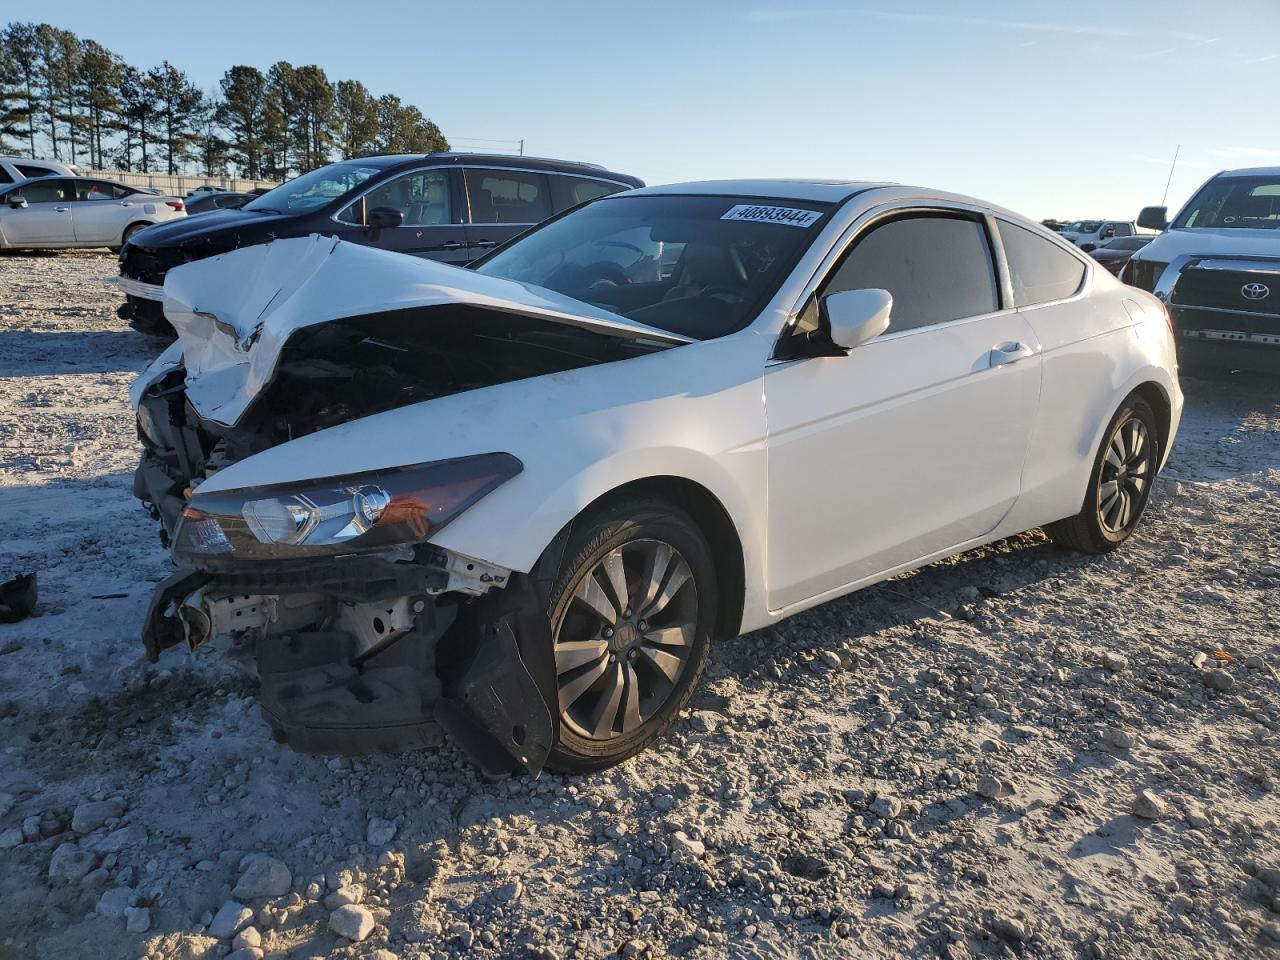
{"x":235,"y":312}
{"x":1212,"y":242}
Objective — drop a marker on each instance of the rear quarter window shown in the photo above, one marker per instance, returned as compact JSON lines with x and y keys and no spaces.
{"x":1039,"y":269}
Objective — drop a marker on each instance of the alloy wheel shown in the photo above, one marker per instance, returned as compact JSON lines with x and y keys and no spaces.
{"x":1126,"y":476}
{"x":625,"y":639}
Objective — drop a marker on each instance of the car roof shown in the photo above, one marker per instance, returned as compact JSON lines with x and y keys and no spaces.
{"x":830,"y":191}
{"x":1252,"y":172}
{"x":449,"y":157}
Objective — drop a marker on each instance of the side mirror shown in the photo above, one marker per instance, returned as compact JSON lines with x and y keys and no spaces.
{"x":856,"y":316}
{"x":380,"y":217}
{"x":18,"y":203}
{"x":1154,"y":218}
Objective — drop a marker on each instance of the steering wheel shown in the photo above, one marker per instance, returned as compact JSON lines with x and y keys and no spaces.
{"x":606,"y":272}
{"x":620,"y":243}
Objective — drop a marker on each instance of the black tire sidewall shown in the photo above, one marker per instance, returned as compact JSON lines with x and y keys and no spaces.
{"x":1131,"y":408}
{"x":588,"y":544}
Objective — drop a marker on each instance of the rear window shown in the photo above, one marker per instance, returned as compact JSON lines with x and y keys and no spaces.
{"x":1040,"y":270}
{"x":569,"y":191}
{"x":28,"y":171}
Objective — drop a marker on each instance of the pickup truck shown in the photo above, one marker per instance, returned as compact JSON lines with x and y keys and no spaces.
{"x":1088,"y":235}
{"x":1216,"y":266}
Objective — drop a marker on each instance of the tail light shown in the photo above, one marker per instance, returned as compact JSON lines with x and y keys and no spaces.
{"x":176,"y":204}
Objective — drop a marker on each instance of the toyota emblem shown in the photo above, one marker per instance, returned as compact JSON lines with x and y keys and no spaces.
{"x":1255,"y":291}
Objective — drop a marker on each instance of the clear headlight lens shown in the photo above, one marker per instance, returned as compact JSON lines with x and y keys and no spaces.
{"x":337,"y":515}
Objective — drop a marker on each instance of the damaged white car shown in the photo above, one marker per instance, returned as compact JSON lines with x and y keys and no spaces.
{"x":517,"y":503}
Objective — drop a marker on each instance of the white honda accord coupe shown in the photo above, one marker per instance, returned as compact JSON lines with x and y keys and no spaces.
{"x":516,"y":504}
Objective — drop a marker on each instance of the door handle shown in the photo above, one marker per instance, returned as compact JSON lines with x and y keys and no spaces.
{"x":126,"y":203}
{"x":61,"y":209}
{"x":452,"y":245}
{"x":1003,"y":354}
{"x":485,"y":243}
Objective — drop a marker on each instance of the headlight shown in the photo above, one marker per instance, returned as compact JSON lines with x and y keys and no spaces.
{"x":337,"y":515}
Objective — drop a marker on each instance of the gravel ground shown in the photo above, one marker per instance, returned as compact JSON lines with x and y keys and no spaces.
{"x":1017,"y":751}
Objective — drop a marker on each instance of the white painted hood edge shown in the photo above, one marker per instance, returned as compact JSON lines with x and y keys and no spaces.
{"x":234,"y":312}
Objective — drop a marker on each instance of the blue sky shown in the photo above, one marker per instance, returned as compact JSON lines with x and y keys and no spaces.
{"x":1051,"y":108}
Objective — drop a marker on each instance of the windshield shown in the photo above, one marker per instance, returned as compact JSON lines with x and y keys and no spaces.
{"x":313,"y":190}
{"x":1245,"y":202}
{"x":1084,"y":226}
{"x":699,"y":266}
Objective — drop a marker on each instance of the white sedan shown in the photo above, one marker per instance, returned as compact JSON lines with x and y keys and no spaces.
{"x":55,"y":212}
{"x":520,"y":502}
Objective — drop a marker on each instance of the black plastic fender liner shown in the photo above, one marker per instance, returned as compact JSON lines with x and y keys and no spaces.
{"x":498,"y":705}
{"x":161,"y":631}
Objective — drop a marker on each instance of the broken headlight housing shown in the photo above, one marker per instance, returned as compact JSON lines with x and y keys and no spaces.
{"x":338,"y":515}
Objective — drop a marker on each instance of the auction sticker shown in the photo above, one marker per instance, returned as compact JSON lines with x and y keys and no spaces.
{"x":788,"y":216}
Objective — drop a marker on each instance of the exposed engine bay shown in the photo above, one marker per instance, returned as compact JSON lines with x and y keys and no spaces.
{"x":364,"y":650}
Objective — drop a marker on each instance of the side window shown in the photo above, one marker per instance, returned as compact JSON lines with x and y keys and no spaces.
{"x":4,"y":175}
{"x":99,"y":190}
{"x":1124,"y":230}
{"x":507,"y":196}
{"x":33,"y":172}
{"x":421,"y":197}
{"x":569,"y":191}
{"x":1041,"y":271}
{"x":937,"y":268}
{"x":45,"y":191}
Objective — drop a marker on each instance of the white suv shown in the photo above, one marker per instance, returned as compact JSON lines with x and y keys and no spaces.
{"x":13,"y":169}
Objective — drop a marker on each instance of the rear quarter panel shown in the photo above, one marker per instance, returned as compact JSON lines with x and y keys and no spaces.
{"x":1097,"y":348}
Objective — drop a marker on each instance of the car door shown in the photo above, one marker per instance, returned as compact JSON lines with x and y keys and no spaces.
{"x":47,"y":216}
{"x":431,"y":226}
{"x":914,"y":442}
{"x":100,"y":212}
{"x":503,"y":204}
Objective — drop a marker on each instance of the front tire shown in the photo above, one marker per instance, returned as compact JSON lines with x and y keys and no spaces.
{"x":1124,"y":471}
{"x":129,"y":231}
{"x":632,"y":609}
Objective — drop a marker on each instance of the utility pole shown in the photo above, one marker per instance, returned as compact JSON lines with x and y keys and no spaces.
{"x":522,"y":146}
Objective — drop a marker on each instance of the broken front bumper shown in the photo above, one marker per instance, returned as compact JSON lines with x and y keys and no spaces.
{"x":462,"y":667}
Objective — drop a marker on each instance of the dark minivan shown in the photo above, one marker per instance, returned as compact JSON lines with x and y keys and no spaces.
{"x":452,"y":207}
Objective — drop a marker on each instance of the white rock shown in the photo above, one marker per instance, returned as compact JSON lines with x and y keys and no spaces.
{"x":681,"y":843}
{"x":887,"y":807}
{"x":1148,"y":806}
{"x":114,"y":902}
{"x":231,"y":918}
{"x":248,"y":937}
{"x":94,"y":813}
{"x":137,"y":919}
{"x":352,"y":921}
{"x":1114,"y":662}
{"x":1120,"y":739}
{"x":11,"y":838}
{"x":348,"y":893}
{"x":1218,"y":680}
{"x":380,"y":832}
{"x":70,"y":863}
{"x":262,"y":876}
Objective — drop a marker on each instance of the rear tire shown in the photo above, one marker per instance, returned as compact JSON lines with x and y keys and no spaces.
{"x":628,"y":665}
{"x":1124,"y":472}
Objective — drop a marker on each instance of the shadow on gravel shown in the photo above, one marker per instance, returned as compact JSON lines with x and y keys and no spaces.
{"x":48,"y":353}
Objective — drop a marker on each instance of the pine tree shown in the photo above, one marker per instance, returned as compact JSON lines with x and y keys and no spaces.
{"x":356,"y":119}
{"x":177,"y":101}
{"x":242,"y":113}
